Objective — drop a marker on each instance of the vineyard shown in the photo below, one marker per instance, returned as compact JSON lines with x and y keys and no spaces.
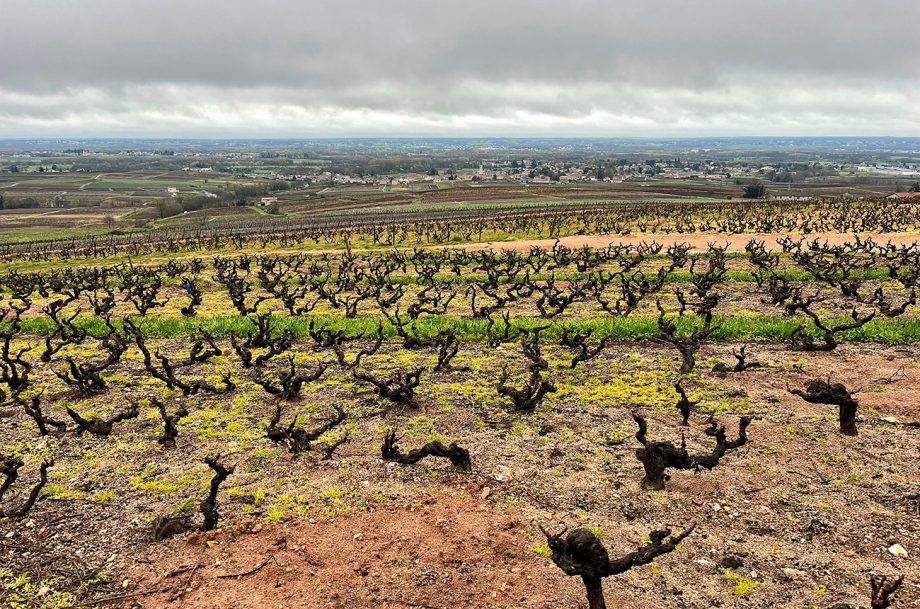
{"x":701,"y":404}
{"x":374,"y":228}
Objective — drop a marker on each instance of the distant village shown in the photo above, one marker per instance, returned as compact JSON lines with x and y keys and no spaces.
{"x":285,"y":172}
{"x":543,"y":172}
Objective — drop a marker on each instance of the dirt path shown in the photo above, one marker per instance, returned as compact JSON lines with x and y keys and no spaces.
{"x":83,"y":187}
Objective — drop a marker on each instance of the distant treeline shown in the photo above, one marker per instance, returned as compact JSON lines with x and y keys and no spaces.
{"x":22,"y":202}
{"x":237,"y":196}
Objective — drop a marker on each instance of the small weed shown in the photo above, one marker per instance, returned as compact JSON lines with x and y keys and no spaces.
{"x":742,"y":585}
{"x":541,"y":549}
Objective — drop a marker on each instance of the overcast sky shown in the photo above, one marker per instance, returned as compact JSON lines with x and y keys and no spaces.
{"x":300,"y":68}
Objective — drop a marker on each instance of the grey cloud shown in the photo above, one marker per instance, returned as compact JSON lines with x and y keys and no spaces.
{"x":288,"y":67}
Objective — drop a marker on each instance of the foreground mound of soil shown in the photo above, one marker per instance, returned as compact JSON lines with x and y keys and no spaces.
{"x":445,"y":551}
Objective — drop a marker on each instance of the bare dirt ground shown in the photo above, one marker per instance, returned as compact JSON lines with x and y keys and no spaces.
{"x":799,"y":517}
{"x":450,"y":549}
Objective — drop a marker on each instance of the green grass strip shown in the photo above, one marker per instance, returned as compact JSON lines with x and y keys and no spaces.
{"x":897,"y":331}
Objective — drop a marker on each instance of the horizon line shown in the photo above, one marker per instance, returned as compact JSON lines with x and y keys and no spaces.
{"x":444,"y":137}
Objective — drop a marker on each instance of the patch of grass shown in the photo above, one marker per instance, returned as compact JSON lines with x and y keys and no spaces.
{"x":103,"y":496}
{"x":742,"y":586}
{"x":900,"y":330}
{"x":597,"y":531}
{"x":276,"y":513}
{"x":18,"y":591}
{"x":147,"y":483}
{"x":541,"y":549}
{"x":184,"y":507}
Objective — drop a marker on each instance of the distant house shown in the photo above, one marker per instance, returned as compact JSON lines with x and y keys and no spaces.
{"x":172,"y":191}
{"x":266,"y":201}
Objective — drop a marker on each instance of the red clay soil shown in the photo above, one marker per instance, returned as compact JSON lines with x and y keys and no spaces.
{"x":448,"y":550}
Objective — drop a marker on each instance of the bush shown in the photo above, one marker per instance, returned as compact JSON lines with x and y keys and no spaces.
{"x":168,"y":208}
{"x":755,"y":191}
{"x":195,"y":203}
